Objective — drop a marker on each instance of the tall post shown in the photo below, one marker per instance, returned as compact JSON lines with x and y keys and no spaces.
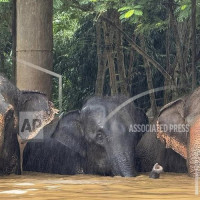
{"x":34,"y":44}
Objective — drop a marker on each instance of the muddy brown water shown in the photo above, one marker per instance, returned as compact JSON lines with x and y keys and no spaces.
{"x":47,"y":186}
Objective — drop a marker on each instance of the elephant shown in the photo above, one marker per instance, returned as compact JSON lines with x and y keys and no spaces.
{"x":45,"y":154}
{"x":181,"y":119}
{"x":101,"y":145}
{"x":50,"y":156}
{"x":16,"y":105}
{"x":9,"y":147}
{"x":151,"y":150}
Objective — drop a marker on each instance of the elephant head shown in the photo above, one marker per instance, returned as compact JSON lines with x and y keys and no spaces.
{"x":37,"y":105}
{"x":14,"y":103}
{"x":107,"y":146}
{"x":9,"y":148}
{"x":182,"y":119}
{"x":33,"y":105}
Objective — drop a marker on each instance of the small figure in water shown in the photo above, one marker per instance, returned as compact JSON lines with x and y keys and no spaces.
{"x":155,"y":173}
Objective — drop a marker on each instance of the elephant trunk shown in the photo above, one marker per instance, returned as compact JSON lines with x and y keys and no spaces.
{"x":193,"y":160}
{"x":123,"y":165}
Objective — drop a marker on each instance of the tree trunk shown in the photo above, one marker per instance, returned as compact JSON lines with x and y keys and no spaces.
{"x":14,"y":34}
{"x":149,"y":79}
{"x":2,"y":59}
{"x":101,"y":63}
{"x":120,"y":59}
{"x":179,"y":47}
{"x":108,"y":37}
{"x":194,"y":75}
{"x":167,"y":93}
{"x":187,"y":42}
{"x":130,"y":67}
{"x":139,"y":50}
{"x":34,"y":44}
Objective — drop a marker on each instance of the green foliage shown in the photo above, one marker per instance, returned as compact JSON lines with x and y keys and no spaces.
{"x":75,"y":58}
{"x":183,"y":10}
{"x":128,"y":11}
{"x":147,"y":17}
{"x":5,"y":25}
{"x":64,"y":25}
{"x":75,"y":41}
{"x":198,"y":15}
{"x":5,"y":38}
{"x":57,"y":4}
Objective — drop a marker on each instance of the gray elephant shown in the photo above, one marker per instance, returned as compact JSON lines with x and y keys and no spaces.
{"x":104,"y":145}
{"x":181,"y":120}
{"x":9,"y":147}
{"x":50,"y":156}
{"x":151,"y":150}
{"x":15,"y":104}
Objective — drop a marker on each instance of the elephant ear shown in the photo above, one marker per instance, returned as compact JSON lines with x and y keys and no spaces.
{"x":50,"y":128}
{"x":192,"y":108}
{"x":179,"y":104}
{"x":35,"y":107}
{"x":172,"y":116}
{"x":6,"y":115}
{"x":69,"y":132}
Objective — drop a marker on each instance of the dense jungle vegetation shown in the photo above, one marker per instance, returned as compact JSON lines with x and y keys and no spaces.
{"x":110,"y":47}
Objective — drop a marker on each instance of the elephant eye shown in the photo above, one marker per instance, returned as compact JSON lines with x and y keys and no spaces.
{"x":99,"y":137}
